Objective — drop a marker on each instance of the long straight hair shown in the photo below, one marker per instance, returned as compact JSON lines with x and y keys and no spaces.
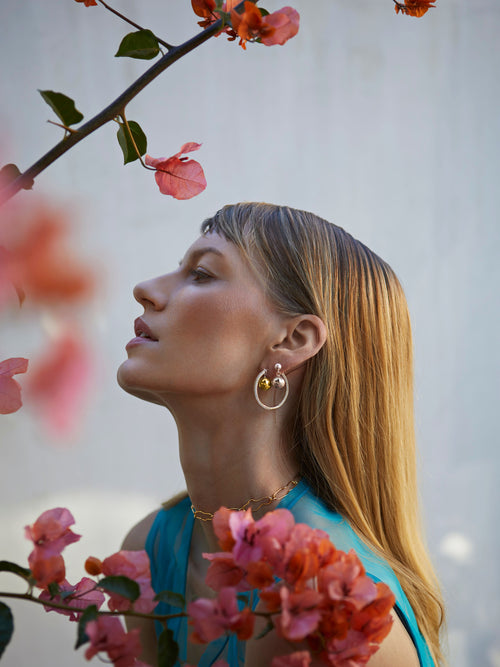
{"x":353,"y":434}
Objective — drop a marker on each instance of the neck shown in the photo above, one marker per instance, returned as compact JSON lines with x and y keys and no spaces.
{"x":228,"y":461}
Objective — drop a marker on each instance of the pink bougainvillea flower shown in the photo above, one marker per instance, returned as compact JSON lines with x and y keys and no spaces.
{"x":106,"y":634}
{"x":88,"y":3}
{"x":222,"y":571}
{"x":222,"y":529}
{"x":375,"y":619}
{"x":345,"y":581}
{"x":50,"y":534}
{"x":300,"y":614}
{"x":255,"y":539}
{"x":178,"y":176}
{"x":134,"y":565}
{"x":83,"y":594}
{"x":285,"y":23}
{"x":52,"y":530}
{"x":58,"y":382}
{"x":37,"y":259}
{"x":210,"y":619}
{"x":275,"y":28}
{"x":10,"y":390}
{"x":414,"y":7}
{"x":47,"y":567}
{"x":297,"y":659}
{"x":354,"y":649}
{"x":205,"y":9}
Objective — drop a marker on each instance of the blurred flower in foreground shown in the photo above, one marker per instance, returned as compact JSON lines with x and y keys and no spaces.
{"x":178,"y":176}
{"x":10,"y":390}
{"x":36,"y":257}
{"x":58,"y":382}
{"x":79,"y":597}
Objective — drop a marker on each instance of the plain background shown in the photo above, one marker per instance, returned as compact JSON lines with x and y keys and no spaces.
{"x":386,"y":125}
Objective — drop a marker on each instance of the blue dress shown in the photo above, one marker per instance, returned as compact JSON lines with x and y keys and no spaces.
{"x":168,"y":544}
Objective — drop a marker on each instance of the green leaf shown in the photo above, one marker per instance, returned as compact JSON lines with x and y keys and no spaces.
{"x":168,"y":649}
{"x":141,"y":44}
{"x":6,"y":626}
{"x":263,"y":12}
{"x":128,"y":148}
{"x":53,"y":589}
{"x":63,"y":106}
{"x":9,"y":173}
{"x":171,"y":598}
{"x":7,"y":566}
{"x":124,"y":586}
{"x":90,"y":614}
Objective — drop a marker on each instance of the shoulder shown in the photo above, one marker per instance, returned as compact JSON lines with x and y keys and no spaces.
{"x":135,"y":539}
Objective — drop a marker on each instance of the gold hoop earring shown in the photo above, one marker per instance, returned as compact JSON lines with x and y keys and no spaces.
{"x":279,"y":382}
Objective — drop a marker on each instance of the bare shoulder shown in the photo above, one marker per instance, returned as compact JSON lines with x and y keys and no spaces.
{"x":397,"y":650}
{"x":136,"y":538}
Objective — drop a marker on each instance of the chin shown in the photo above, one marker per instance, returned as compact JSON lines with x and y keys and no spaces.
{"x":129,"y":383}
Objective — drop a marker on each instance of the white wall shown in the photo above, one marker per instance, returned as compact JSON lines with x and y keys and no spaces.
{"x":384,"y":124}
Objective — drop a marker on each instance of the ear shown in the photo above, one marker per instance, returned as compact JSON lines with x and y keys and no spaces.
{"x":302,"y":339}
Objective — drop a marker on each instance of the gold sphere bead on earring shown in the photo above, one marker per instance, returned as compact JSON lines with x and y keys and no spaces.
{"x":264,"y":383}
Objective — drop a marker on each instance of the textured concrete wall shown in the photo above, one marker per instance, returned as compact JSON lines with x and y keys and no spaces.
{"x":386,"y":125}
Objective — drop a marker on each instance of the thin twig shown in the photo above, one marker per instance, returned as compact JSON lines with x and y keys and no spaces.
{"x":135,"y":25}
{"x":65,"y":607}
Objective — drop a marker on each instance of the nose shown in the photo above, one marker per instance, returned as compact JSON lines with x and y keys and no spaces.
{"x":151,"y":293}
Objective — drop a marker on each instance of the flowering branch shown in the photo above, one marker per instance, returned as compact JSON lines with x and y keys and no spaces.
{"x":308,"y":591}
{"x":116,"y":108}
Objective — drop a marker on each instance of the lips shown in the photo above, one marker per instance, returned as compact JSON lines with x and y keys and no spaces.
{"x":142,"y":330}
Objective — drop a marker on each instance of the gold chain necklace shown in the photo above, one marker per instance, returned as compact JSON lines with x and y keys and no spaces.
{"x":265,"y":500}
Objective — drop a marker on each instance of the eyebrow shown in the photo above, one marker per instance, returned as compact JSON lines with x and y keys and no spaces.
{"x":196,"y":254}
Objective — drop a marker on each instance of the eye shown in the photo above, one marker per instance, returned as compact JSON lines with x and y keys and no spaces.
{"x":200,"y":276}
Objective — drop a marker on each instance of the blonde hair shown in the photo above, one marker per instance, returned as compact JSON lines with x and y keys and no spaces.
{"x":354,"y":433}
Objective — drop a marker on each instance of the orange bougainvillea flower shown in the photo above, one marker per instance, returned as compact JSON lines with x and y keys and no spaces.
{"x":58,"y":383}
{"x":178,"y":176}
{"x":275,"y":28}
{"x":10,"y":391}
{"x":88,"y":3}
{"x":413,"y":7}
{"x":36,"y":258}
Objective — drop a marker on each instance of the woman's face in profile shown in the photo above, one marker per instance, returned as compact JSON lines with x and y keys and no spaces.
{"x":205,"y":328}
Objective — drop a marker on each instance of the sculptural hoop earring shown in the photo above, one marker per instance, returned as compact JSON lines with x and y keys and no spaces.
{"x":263,"y":382}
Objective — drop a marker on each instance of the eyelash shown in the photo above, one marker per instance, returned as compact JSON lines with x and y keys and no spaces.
{"x":200,"y":276}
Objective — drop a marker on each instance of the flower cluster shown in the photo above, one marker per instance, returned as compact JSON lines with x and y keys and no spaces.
{"x":252,"y":25}
{"x":312,"y":591}
{"x":50,"y":534}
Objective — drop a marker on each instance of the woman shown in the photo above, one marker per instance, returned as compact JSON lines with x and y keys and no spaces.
{"x":268,"y":287}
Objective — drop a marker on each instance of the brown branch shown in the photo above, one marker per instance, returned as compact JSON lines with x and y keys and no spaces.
{"x":114,"y":109}
{"x":65,"y":607}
